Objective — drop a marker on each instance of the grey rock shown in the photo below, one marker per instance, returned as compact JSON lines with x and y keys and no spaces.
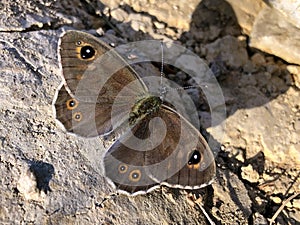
{"x":175,"y":14}
{"x":272,"y":34}
{"x":229,"y":49}
{"x":51,"y":177}
{"x":246,"y":11}
{"x":289,"y":8}
{"x":230,"y":194}
{"x":258,"y":219}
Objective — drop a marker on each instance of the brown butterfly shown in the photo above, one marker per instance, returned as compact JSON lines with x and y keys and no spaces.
{"x":103,"y":96}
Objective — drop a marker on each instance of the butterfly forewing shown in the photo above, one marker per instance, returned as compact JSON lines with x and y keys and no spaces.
{"x":94,"y":81}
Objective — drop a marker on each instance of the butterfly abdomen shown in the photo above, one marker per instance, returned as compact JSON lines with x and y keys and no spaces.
{"x":144,"y":107}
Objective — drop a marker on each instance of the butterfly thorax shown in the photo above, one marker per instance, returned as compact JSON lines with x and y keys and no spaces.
{"x":143,"y":107}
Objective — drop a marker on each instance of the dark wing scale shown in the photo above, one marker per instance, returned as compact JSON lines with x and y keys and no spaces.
{"x":134,"y":160}
{"x":74,"y":67}
{"x":194,"y":177}
{"x":84,"y":127}
{"x":184,"y":142}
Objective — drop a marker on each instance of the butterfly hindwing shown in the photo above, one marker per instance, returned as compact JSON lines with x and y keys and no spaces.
{"x":164,"y":163}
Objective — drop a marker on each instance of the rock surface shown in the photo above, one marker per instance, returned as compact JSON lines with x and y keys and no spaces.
{"x":276,"y":36}
{"x":51,"y":177}
{"x":272,"y":26}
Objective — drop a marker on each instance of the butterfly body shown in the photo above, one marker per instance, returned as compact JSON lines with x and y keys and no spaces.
{"x":102,"y":95}
{"x":143,"y":107}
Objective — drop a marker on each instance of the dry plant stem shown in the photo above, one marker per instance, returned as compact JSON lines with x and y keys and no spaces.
{"x":292,"y":183}
{"x":198,"y":202}
{"x":282,"y":206}
{"x":206,"y":215}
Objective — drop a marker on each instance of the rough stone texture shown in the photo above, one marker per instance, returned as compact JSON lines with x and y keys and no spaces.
{"x":20,"y":17}
{"x":231,"y":50}
{"x":246,"y":11}
{"x":276,"y":36}
{"x":290,"y":9}
{"x":237,"y":204}
{"x":51,"y":177}
{"x":249,"y":126}
{"x":272,"y":27}
{"x":295,"y":70}
{"x":175,"y":13}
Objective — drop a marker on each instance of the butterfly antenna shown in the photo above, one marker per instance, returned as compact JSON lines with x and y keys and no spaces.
{"x":162,"y":63}
{"x":163,"y":90}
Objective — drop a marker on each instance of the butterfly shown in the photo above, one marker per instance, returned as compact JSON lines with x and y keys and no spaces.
{"x":103,"y":96}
